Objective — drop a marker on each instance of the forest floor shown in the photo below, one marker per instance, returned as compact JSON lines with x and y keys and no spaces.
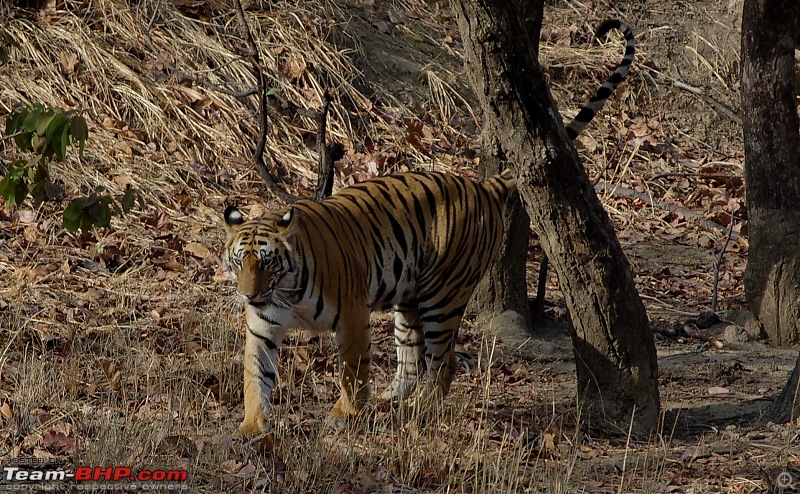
{"x":122,"y":347}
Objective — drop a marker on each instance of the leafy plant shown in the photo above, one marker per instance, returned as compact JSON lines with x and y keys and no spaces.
{"x":44,"y":133}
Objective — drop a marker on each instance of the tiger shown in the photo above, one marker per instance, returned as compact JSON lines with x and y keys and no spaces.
{"x":414,"y":242}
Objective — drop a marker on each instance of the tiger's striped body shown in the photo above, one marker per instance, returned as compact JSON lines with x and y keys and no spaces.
{"x":418,"y":243}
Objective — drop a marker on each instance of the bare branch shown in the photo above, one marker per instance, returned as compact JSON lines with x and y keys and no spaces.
{"x":329,"y":153}
{"x":255,"y":64}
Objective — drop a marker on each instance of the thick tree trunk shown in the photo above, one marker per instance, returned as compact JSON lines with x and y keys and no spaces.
{"x":772,"y":149}
{"x":614,"y":349}
{"x":500,"y":301}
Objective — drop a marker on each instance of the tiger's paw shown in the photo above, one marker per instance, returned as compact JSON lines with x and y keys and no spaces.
{"x":343,"y":413}
{"x":253,"y":426}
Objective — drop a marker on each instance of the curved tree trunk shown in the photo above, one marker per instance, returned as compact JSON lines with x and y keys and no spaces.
{"x":614,"y":349}
{"x":772,"y":151}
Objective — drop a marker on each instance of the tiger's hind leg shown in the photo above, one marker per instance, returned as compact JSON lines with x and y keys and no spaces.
{"x":410,"y":344}
{"x":440,"y":328}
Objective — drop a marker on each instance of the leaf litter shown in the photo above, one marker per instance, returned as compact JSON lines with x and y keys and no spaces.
{"x":141,"y":337}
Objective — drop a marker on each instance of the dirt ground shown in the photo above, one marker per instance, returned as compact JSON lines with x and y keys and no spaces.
{"x":133,"y":325}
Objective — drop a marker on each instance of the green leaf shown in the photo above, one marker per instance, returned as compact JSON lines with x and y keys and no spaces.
{"x":271,"y":91}
{"x":53,"y":132}
{"x":75,"y":208}
{"x":79,"y":131}
{"x":100,"y":212}
{"x":14,"y":186}
{"x":31,"y":120}
{"x":61,"y":151}
{"x":44,"y":121}
{"x":20,"y":191}
{"x":7,"y":186}
{"x":23,"y":142}
{"x":38,"y":143}
{"x":14,"y":121}
{"x":128,"y":199}
{"x":18,"y":168}
{"x":74,"y":213}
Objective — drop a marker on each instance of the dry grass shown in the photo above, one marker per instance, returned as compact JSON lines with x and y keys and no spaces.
{"x":124,"y":348}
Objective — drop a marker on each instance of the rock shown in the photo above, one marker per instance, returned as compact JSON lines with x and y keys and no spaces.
{"x":735,"y":334}
{"x":751,"y":325}
{"x":706,"y":319}
{"x":511,"y":327}
{"x":705,"y":242}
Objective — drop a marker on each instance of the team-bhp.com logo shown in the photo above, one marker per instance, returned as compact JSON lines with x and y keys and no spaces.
{"x":24,"y":476}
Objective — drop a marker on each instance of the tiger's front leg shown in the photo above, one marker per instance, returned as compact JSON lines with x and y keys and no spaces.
{"x":260,"y":370}
{"x":353,"y":341}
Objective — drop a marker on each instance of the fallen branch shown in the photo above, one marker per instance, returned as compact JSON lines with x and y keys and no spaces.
{"x":719,"y":107}
{"x":707,"y":176}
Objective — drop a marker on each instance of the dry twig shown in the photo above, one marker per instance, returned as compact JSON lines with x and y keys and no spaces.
{"x":328,"y":153}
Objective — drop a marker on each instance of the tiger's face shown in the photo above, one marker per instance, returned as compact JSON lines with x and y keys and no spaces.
{"x":257,"y":255}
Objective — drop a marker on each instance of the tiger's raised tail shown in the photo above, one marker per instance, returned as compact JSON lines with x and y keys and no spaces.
{"x":594,"y":105}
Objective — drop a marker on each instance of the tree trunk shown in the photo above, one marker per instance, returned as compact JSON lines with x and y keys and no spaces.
{"x":500,"y":300}
{"x":614,"y":349}
{"x":772,"y":151}
{"x":787,"y":407}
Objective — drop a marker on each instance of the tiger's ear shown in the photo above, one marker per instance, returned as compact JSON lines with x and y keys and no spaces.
{"x":233,"y":219}
{"x":286,"y":219}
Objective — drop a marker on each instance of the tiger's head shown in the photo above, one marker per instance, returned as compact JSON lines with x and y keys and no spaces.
{"x":258,"y":255}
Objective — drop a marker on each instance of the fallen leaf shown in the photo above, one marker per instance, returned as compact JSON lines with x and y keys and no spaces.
{"x":294,"y":66}
{"x":549,"y":442}
{"x":198,"y":250}
{"x":232,"y":466}
{"x":247,"y":470}
{"x":168,"y":264}
{"x":59,"y":442}
{"x":123,"y":147}
{"x":25,"y":216}
{"x":68,"y":62}
{"x":5,"y":411}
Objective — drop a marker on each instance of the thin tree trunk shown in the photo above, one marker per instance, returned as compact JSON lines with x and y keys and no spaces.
{"x":500,"y":301}
{"x":772,"y":149}
{"x":614,"y":349}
